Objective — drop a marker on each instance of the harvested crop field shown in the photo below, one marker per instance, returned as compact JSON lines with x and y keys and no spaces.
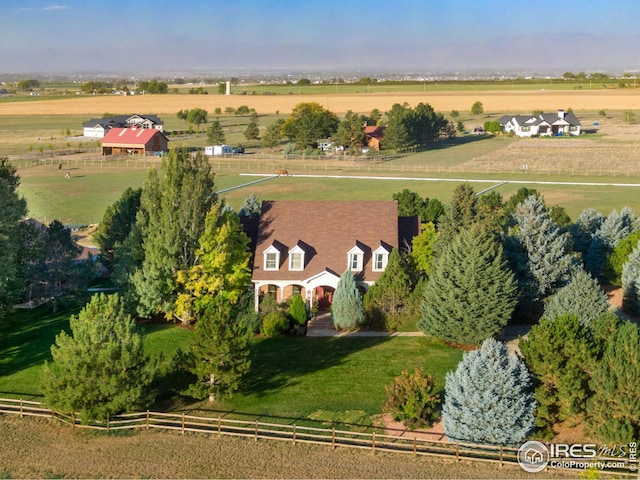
{"x":493,"y":101}
{"x":42,"y":449}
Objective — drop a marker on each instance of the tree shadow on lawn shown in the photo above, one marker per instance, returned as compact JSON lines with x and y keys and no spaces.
{"x":26,"y":337}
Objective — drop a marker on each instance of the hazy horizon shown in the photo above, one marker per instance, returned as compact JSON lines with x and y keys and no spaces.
{"x":323,"y":36}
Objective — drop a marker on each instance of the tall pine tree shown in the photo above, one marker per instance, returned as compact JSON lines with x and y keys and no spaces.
{"x":13,"y":208}
{"x":614,"y":409}
{"x":220,"y":352}
{"x":561,"y":353}
{"x":488,"y":398}
{"x":170,"y":221}
{"x":471,"y":293}
{"x":101,"y":368}
{"x":631,"y":282}
{"x":538,"y":251}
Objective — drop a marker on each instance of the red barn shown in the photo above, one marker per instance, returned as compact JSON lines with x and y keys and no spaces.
{"x":134,"y":141}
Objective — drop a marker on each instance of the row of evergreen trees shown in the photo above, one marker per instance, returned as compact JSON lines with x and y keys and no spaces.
{"x":486,"y":262}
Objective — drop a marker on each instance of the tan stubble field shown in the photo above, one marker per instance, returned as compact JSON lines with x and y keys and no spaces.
{"x":493,"y":101}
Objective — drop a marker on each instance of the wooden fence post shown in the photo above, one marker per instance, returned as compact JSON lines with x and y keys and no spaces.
{"x":294,"y":434}
{"x":256,"y":430}
{"x":373,"y":442}
{"x":415,"y":439}
{"x":147,"y":422}
{"x":73,"y":420}
{"x":501,"y":456}
{"x":108,"y":427}
{"x":20,"y":408}
{"x":333,"y":438}
{"x":457,"y":451}
{"x":182,"y":426}
{"x":218,"y":425}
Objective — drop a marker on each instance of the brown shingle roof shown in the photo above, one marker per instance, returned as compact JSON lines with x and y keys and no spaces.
{"x":327,"y":230}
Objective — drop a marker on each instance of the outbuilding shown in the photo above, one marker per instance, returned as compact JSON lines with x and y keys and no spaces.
{"x":134,"y":141}
{"x":218,"y":150}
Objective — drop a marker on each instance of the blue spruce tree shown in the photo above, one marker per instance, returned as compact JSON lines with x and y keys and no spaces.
{"x":631,"y":282}
{"x":346,"y":309}
{"x":488,"y":399}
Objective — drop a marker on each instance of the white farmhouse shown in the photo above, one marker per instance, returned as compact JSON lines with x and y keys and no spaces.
{"x":543,"y":125}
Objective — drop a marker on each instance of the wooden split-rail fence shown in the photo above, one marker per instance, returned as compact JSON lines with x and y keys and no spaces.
{"x":256,"y":430}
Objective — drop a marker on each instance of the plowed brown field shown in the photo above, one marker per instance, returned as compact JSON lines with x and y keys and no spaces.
{"x":493,"y":101}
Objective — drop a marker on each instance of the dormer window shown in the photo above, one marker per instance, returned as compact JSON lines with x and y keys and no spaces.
{"x":271,"y":258}
{"x":355,"y":259}
{"x":380,"y":259}
{"x":296,"y":259}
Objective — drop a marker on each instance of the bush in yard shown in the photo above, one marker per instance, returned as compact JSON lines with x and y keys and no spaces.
{"x":615,"y":261}
{"x":411,"y":399}
{"x":488,"y":399}
{"x":298,"y":310}
{"x":275,"y":324}
{"x":346,"y":309}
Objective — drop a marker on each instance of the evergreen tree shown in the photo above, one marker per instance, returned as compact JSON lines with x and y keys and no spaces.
{"x":462,"y":212}
{"x":614,"y":228}
{"x":410,"y":204}
{"x":471,"y":293}
{"x":251,"y":207}
{"x":581,"y":297}
{"x":272,"y":136}
{"x":386,"y":300}
{"x":350,"y":133}
{"x":561,"y":353}
{"x":252,"y":132}
{"x":631,"y":282}
{"x":539,"y":253}
{"x":615,"y":261}
{"x":346,"y":309}
{"x":215,"y":134}
{"x":488,"y":398}
{"x":308,"y":122}
{"x":116,"y":224}
{"x":519,"y":197}
{"x":434,"y":211}
{"x":584,"y":229}
{"x":101,"y":368}
{"x":412,"y":400}
{"x":396,"y":135}
{"x":220,"y":351}
{"x":170,"y":222}
{"x":221,"y":267}
{"x":13,"y":208}
{"x":60,"y":275}
{"x":614,"y":409}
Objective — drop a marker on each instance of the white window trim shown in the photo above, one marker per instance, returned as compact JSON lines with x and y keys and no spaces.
{"x":385,"y":259}
{"x":358,"y":253}
{"x":270,"y":250}
{"x":300,"y":251}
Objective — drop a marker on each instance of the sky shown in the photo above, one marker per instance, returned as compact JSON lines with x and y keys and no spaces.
{"x":69,"y":36}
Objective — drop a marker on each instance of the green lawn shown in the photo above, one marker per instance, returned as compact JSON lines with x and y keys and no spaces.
{"x":317,"y":379}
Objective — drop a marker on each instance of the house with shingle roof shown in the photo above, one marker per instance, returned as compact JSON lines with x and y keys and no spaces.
{"x":134,"y":141}
{"x":374,"y":135}
{"x":302,"y":247}
{"x":542,"y":125}
{"x":98,"y":127}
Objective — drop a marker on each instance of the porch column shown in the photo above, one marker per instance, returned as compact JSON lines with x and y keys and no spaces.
{"x":256,"y":297}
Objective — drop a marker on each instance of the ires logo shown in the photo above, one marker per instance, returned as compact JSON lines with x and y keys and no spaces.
{"x":533,"y":456}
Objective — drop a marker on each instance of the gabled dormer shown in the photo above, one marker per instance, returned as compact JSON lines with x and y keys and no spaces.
{"x":272,"y":258}
{"x":296,"y":258}
{"x":381,"y":258}
{"x":355,"y":259}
